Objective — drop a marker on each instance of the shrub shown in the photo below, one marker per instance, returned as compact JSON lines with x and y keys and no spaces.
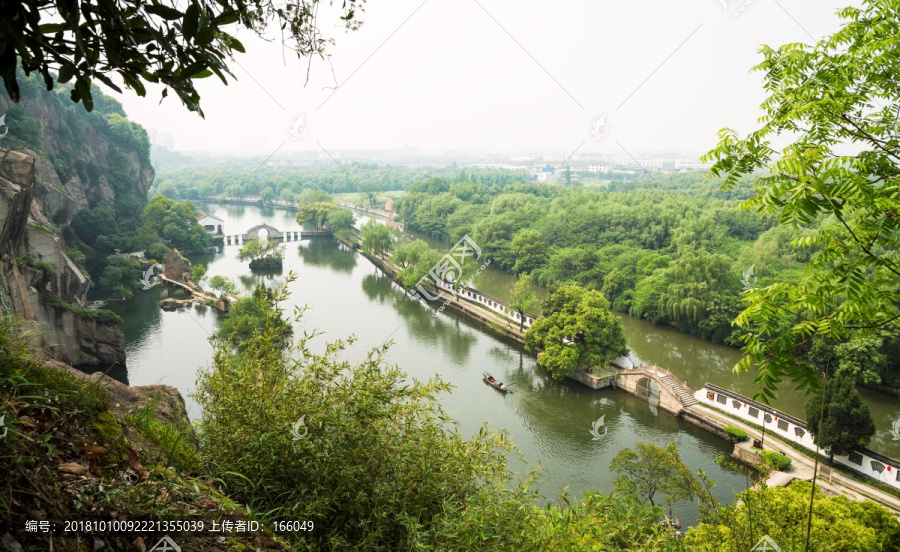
{"x":311,"y":437}
{"x":197,"y":273}
{"x":157,"y":252}
{"x":75,"y":255}
{"x":102,"y":316}
{"x":736,"y":433}
{"x":47,"y":270}
{"x":266,"y":263}
{"x":775,"y":460}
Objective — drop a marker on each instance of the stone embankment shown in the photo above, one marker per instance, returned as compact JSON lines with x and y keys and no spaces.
{"x":490,"y":320}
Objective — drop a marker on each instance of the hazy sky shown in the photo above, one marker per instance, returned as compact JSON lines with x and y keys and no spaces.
{"x":502,"y":76}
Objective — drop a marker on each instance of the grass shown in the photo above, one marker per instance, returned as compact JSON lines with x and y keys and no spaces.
{"x":41,"y":228}
{"x":102,"y":316}
{"x":177,"y":445}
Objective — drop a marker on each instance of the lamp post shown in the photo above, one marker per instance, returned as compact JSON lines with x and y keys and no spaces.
{"x":762,"y":441}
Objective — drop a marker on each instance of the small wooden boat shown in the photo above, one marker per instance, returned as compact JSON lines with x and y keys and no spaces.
{"x":495,"y":384}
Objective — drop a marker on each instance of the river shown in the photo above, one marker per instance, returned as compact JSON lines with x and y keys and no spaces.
{"x":548,"y":420}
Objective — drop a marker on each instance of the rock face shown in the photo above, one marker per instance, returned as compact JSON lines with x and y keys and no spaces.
{"x":177,"y":267}
{"x":25,"y":230}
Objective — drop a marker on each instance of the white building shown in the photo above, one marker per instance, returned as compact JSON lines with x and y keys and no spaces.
{"x":211,"y":223}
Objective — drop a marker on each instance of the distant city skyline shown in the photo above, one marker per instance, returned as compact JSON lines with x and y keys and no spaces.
{"x":616,"y":80}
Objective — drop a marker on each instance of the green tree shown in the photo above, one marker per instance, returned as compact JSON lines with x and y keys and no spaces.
{"x":521,"y":297}
{"x":225,"y":286}
{"x":176,"y":222}
{"x":245,"y":319}
{"x":308,"y":196}
{"x":576,"y":328}
{"x":339,"y":219}
{"x":168,"y":189}
{"x":839,"y":524}
{"x":651,"y":470}
{"x":410,"y":253}
{"x":529,"y":250}
{"x":262,"y":253}
{"x":822,"y":97}
{"x":377,"y":239}
{"x":844,"y":422}
{"x":317,"y":213}
{"x":197,"y":273}
{"x":163,"y":41}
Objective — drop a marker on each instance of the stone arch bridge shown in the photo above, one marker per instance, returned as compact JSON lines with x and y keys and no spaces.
{"x":273,"y":234}
{"x":657,"y":386}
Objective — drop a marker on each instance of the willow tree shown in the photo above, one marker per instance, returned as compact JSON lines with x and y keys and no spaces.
{"x":835,"y":180}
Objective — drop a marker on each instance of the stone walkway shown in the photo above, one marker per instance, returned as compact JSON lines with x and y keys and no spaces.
{"x":803,"y":466}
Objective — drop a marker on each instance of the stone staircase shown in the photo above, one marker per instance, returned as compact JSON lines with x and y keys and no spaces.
{"x":684,"y":396}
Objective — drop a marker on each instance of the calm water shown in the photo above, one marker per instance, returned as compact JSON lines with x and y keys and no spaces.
{"x":548,"y":420}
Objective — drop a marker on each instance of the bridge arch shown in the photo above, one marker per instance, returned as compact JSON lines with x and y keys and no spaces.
{"x":656,"y":386}
{"x":647,"y":389}
{"x":271,"y":231}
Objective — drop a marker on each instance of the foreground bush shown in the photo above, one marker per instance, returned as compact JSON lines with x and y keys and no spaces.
{"x":838,"y":524}
{"x":373,"y":461}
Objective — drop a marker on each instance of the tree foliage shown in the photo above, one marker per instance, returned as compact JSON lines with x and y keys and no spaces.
{"x":262,"y":254}
{"x":377,"y":239}
{"x":521,"y":297}
{"x":844,"y":422}
{"x":139,"y":42}
{"x":650,"y":470}
{"x":576,"y":329}
{"x":246,"y":319}
{"x":838,"y":524}
{"x":316,"y":213}
{"x":176,"y":223}
{"x":824,"y":97}
{"x":225,"y":286}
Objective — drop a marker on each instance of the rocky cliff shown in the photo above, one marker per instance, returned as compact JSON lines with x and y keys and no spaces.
{"x":56,"y":161}
{"x":38,"y":281}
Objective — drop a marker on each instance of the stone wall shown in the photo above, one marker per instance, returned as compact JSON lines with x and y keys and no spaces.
{"x":789,"y":428}
{"x":628,"y":381}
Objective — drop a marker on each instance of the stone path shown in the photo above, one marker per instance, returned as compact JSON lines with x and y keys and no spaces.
{"x":803,"y":466}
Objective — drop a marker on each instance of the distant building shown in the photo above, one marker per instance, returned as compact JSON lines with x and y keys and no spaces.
{"x":211,"y":223}
{"x":692,"y":165}
{"x":389,"y":206}
{"x":598,"y":168}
